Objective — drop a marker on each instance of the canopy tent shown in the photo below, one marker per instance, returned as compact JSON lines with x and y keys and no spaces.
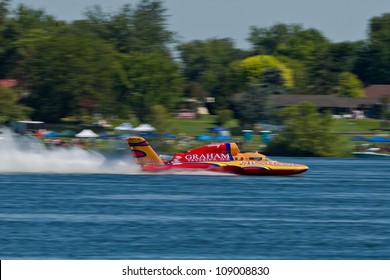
{"x":217,"y":129}
{"x":204,"y":137}
{"x":169,"y":135}
{"x":379,"y":139}
{"x":51,"y":134}
{"x":358,"y":138}
{"x":87,"y":133}
{"x":222,"y":138}
{"x":124,"y":127}
{"x":144,"y":128}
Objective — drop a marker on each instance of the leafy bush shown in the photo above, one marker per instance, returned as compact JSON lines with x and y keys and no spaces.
{"x":307,"y":133}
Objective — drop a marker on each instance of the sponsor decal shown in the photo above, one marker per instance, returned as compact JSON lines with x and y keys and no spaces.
{"x":266,"y":163}
{"x":207,"y":157}
{"x":176,"y":159}
{"x":215,"y":145}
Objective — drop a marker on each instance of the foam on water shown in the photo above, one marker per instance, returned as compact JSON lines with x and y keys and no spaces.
{"x":28,"y":154}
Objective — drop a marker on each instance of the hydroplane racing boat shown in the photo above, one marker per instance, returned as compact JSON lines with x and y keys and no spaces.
{"x":220,"y":157}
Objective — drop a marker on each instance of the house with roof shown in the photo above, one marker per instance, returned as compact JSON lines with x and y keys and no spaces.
{"x":378,"y":92}
{"x":338,"y":106}
{"x":8,"y":83}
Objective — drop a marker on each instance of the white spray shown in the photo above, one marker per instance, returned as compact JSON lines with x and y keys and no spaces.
{"x":28,"y":154}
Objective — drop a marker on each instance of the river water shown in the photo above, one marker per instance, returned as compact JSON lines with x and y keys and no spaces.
{"x":339,"y":209}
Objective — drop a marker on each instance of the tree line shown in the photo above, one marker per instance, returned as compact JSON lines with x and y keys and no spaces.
{"x":127,"y":62}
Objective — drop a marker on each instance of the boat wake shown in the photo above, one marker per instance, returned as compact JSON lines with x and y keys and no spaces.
{"x":20,"y":154}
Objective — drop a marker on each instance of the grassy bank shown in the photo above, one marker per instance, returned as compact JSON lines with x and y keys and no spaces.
{"x":193,"y":127}
{"x":352,"y":126}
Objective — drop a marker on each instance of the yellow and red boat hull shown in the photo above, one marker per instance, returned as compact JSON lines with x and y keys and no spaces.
{"x":234,"y":167}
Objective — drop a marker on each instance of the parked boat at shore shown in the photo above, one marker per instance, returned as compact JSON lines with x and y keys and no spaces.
{"x":370,"y":155}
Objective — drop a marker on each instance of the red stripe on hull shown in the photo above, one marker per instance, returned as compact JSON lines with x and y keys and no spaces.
{"x":223,"y":169}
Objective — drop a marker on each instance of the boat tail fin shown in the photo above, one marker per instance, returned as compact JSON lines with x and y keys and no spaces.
{"x":142,"y":152}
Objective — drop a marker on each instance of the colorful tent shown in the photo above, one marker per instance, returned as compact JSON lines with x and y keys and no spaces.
{"x":204,"y":137}
{"x":358,"y":138}
{"x":124,"y":127}
{"x":51,"y":134}
{"x":217,"y":129}
{"x":379,"y":139}
{"x":144,"y":128}
{"x":87,"y":133}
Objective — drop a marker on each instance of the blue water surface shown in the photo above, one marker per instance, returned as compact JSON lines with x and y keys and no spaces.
{"x":339,"y":209}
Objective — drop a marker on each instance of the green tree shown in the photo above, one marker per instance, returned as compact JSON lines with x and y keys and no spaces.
{"x":10,"y":108}
{"x":306,"y":133}
{"x":372,"y":66}
{"x":384,"y":111}
{"x":67,"y":72}
{"x":290,"y":40}
{"x":315,"y":61}
{"x":322,"y":74}
{"x":4,"y":4}
{"x":151,"y":79}
{"x":255,"y":68}
{"x":14,"y":26}
{"x":330,"y":61}
{"x":224,"y":116}
{"x":3,"y":45}
{"x":266,"y":41}
{"x":161,"y":119}
{"x":194,"y":90}
{"x":150,"y":27}
{"x":253,"y":105}
{"x":345,"y":54}
{"x":350,"y":85}
{"x":139,"y":29}
{"x":208,"y":63}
